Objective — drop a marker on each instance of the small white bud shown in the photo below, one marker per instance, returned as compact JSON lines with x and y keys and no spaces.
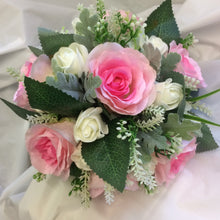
{"x":119,"y":136}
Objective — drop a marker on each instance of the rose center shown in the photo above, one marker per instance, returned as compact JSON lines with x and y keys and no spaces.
{"x":47,"y":150}
{"x":117,"y":83}
{"x":66,"y":57}
{"x":89,"y":128}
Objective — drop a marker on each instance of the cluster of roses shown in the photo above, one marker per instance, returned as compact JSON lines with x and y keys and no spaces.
{"x":128,"y":87}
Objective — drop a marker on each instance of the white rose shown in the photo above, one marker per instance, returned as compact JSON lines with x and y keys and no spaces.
{"x":158,"y":43}
{"x":77,"y":158}
{"x":72,"y":59}
{"x":90,"y":126}
{"x":169,"y":94}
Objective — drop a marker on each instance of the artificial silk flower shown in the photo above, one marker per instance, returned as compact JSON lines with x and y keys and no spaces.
{"x":158,"y":43}
{"x":37,"y":68}
{"x":187,"y":66}
{"x":77,"y":158}
{"x":50,"y":147}
{"x":166,"y":169}
{"x":169,"y":94}
{"x":20,"y":96}
{"x":116,"y":124}
{"x":90,"y":126}
{"x":127,"y":78}
{"x":72,"y":59}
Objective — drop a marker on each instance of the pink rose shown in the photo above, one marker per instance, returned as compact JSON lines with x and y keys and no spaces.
{"x":41,"y":68}
{"x":132,"y":183}
{"x":166,"y":169}
{"x":26,"y":68}
{"x":96,"y":185}
{"x":127,"y":78}
{"x":124,"y":14}
{"x":20,"y":96}
{"x":36,"y":68}
{"x":50,"y":147}
{"x":187,"y":66}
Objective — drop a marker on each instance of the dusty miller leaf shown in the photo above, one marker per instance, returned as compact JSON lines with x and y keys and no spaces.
{"x":152,"y":139}
{"x":90,"y":84}
{"x":85,"y":28}
{"x":169,"y":62}
{"x":153,"y":55}
{"x":67,"y":83}
{"x":185,"y":129}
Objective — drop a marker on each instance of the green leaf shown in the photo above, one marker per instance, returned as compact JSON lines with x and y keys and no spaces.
{"x":185,"y":129}
{"x":206,"y":142}
{"x":161,"y":23}
{"x":181,"y":108}
{"x":37,"y":52}
{"x":151,"y":140}
{"x":47,"y":98}
{"x":175,"y":76}
{"x":187,"y":41}
{"x":100,"y":8}
{"x":21,"y":112}
{"x":75,"y":171}
{"x":67,"y":83}
{"x":85,"y":28}
{"x":168,"y":63}
{"x":15,"y":73}
{"x":203,"y":96}
{"x":51,"y":41}
{"x":90,"y":84}
{"x":109,"y":157}
{"x":196,"y":118}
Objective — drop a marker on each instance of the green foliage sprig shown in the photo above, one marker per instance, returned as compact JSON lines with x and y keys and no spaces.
{"x":39,"y":177}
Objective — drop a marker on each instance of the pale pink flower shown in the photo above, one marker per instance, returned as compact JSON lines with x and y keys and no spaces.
{"x":20,"y":96}
{"x":41,"y":68}
{"x":124,"y":14}
{"x":166,"y":169}
{"x":35,"y":68}
{"x":26,"y":68}
{"x":50,"y":147}
{"x":127,"y":78}
{"x":131,"y":183}
{"x":187,"y":66}
{"x":96,"y":185}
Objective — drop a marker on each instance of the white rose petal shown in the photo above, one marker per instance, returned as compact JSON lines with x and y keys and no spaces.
{"x":169,"y":94}
{"x":72,"y":59}
{"x":77,"y":158}
{"x":158,"y":43}
{"x":90,"y":126}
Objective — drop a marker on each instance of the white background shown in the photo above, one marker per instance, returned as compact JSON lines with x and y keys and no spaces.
{"x":193,"y":195}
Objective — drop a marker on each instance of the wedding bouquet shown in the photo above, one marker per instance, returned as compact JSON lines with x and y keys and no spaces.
{"x":113,"y":104}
